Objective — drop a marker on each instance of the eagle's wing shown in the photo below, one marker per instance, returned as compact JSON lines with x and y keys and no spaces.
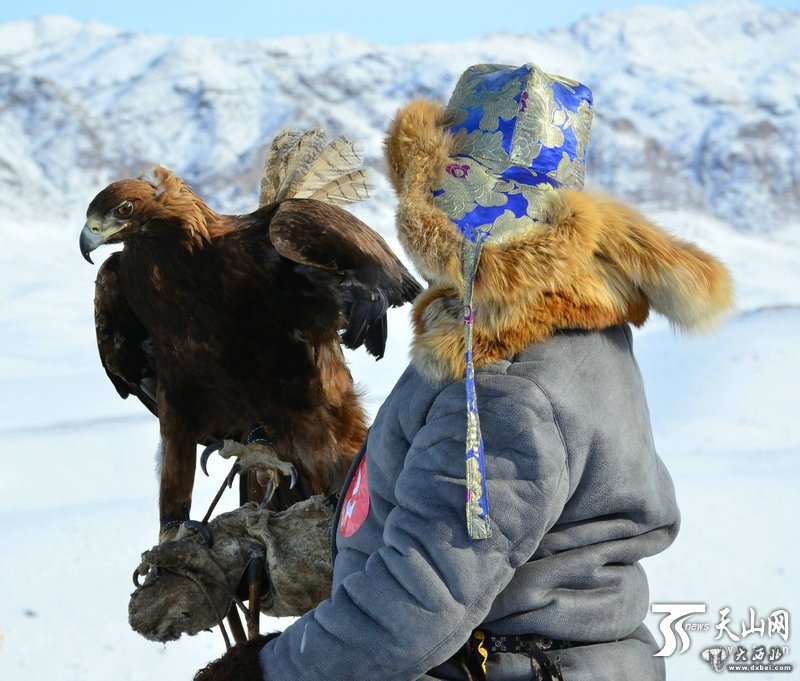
{"x":123,"y":342}
{"x":327,"y":237}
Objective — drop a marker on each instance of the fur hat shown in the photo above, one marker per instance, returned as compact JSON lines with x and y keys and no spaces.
{"x":547,"y":257}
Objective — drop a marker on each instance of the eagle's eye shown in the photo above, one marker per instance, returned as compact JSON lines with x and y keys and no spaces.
{"x":124,"y":209}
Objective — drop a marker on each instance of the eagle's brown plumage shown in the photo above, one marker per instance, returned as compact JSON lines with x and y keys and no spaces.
{"x":220,"y":323}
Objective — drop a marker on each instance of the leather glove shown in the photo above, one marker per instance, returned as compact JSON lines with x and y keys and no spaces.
{"x":240,"y":663}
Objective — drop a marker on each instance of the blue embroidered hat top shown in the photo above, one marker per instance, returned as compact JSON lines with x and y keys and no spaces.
{"x":518,"y":134}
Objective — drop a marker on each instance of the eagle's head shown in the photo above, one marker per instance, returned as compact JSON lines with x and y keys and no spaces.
{"x":156,"y":204}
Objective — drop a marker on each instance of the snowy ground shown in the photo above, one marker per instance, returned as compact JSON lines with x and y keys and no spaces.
{"x":78,"y":490}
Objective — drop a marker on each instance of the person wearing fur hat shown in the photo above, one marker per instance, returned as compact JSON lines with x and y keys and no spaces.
{"x":493,"y":523}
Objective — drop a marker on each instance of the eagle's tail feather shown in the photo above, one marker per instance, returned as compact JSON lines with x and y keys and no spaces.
{"x":352,"y":187}
{"x":274,"y":167}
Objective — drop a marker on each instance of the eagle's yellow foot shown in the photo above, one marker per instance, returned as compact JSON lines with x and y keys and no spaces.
{"x":259,"y":457}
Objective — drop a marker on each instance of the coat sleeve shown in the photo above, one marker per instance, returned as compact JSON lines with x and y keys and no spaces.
{"x":421,"y":594}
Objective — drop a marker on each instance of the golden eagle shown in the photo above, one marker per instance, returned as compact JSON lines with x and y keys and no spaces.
{"x":221,"y":324}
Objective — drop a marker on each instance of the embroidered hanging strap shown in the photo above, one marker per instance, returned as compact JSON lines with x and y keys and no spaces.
{"x":478,"y":522}
{"x":518,"y":134}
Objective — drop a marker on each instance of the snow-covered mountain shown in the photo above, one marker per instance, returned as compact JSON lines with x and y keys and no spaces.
{"x":695,"y":107}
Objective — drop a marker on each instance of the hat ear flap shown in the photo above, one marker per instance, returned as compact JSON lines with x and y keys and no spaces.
{"x":417,"y":133}
{"x":682,"y":282}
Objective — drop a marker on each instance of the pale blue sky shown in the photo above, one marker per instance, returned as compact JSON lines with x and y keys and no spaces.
{"x":385,"y":21}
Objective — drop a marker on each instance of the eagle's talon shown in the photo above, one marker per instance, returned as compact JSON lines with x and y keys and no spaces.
{"x":233,"y":473}
{"x":208,"y":451}
{"x":139,"y":573}
{"x":257,"y":455}
{"x":269,"y":490}
{"x":272,"y":484}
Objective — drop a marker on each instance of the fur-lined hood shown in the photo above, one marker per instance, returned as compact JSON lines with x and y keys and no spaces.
{"x":595,"y":263}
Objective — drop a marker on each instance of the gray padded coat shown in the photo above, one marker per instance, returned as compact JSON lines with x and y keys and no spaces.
{"x":578,"y":496}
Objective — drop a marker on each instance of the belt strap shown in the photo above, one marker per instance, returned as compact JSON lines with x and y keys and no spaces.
{"x":482,"y":645}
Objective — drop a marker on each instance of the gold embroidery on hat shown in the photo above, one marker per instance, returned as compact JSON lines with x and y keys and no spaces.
{"x":463,"y":89}
{"x":539,"y":198}
{"x":466,"y":185}
{"x":487,"y":146}
{"x":581,"y":122}
{"x":508,"y":225}
{"x":569,"y":172}
{"x":499,"y":104}
{"x":538,"y":125}
{"x":541,"y":120}
{"x":495,"y":104}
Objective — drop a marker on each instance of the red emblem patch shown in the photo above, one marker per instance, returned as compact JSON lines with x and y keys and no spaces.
{"x":356,"y":503}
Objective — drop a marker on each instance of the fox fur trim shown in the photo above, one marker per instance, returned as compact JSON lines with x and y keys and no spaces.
{"x":595,"y":263}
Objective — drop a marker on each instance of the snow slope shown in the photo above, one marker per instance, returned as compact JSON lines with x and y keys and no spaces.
{"x":697,"y":122}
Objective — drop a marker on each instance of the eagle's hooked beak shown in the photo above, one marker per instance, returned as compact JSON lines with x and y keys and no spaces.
{"x":93,"y":235}
{"x":89,"y":241}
